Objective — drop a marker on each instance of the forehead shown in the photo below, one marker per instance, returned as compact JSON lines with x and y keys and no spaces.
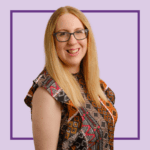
{"x":68,"y":22}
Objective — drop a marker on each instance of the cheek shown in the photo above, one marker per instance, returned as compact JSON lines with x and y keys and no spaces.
{"x":59,"y":46}
{"x":84,"y":44}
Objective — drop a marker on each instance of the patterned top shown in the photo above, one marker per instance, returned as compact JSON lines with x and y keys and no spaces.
{"x":87,"y":128}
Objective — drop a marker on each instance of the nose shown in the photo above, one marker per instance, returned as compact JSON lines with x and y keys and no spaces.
{"x":72,"y":40}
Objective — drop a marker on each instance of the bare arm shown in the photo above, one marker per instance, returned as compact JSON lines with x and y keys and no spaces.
{"x":46,"y":117}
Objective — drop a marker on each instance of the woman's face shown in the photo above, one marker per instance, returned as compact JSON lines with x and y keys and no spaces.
{"x":70,"y":23}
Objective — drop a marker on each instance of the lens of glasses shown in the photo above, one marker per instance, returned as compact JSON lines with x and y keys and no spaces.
{"x":63,"y":36}
{"x":79,"y":35}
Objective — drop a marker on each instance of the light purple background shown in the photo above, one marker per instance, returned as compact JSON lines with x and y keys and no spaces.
{"x":116,"y":40}
{"x":118,"y":75}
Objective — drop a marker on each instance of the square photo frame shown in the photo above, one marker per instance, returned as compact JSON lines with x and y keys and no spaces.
{"x":17,"y":54}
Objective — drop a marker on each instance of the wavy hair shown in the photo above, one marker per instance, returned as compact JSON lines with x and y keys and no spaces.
{"x":89,"y":64}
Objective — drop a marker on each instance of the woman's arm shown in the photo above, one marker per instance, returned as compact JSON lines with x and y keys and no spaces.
{"x":46,"y":118}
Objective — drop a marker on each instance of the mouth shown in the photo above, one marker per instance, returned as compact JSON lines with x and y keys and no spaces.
{"x":73,"y":51}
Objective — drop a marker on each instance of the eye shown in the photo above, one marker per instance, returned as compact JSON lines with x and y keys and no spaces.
{"x":80,"y":31}
{"x":62,"y":33}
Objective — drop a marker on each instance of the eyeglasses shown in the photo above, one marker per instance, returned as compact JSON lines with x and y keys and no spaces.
{"x":65,"y":36}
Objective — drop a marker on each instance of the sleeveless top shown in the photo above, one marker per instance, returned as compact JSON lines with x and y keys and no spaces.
{"x":87,"y":128}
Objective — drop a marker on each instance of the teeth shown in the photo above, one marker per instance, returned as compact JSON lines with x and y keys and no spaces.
{"x":72,"y":51}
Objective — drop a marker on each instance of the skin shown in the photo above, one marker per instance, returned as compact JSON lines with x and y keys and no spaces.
{"x":70,"y":23}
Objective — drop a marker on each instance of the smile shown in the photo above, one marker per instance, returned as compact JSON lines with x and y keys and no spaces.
{"x":73,"y":52}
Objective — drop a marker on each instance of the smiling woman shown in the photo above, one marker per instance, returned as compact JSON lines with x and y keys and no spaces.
{"x":71,"y":107}
{"x":71,"y":45}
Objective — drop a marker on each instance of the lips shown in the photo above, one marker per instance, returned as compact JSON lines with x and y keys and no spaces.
{"x":73,"y":48}
{"x":72,"y":51}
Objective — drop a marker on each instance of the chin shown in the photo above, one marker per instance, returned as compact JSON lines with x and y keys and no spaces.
{"x":73,"y":64}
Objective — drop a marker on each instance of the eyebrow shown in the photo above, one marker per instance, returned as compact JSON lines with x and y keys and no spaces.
{"x":68,"y":31}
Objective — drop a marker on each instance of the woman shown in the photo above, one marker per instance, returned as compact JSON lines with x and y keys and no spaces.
{"x":71,"y":107}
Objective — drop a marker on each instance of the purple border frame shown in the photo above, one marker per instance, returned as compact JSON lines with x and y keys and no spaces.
{"x":85,"y":11}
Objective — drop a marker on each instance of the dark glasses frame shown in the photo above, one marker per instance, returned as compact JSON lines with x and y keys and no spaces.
{"x":86,"y":31}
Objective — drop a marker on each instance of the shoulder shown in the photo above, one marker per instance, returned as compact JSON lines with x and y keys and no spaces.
{"x":41,"y":88}
{"x":43,"y":101}
{"x":103,"y":85}
{"x":42,"y":95}
{"x":108,"y":91}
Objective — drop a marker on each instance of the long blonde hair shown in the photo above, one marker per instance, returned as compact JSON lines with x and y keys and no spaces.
{"x":60,"y":73}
